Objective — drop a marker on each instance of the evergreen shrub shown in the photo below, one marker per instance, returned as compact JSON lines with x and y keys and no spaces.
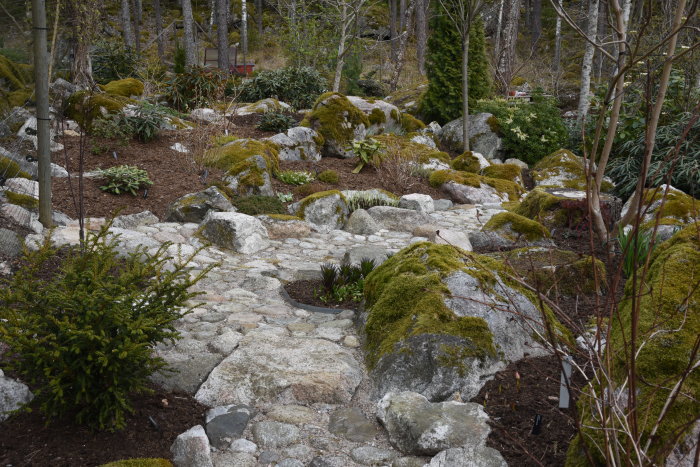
{"x":298,"y":87}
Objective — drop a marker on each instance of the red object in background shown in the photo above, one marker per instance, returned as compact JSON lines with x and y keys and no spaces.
{"x":512,"y":93}
{"x":241,"y":69}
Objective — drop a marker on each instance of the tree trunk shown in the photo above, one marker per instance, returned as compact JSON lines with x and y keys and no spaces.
{"x":244,"y":29}
{"x":138,"y":15}
{"x":600,"y":58}
{"x":190,"y":46}
{"x":126,"y":25}
{"x":403,"y":42}
{"x":259,"y":16}
{"x":536,"y":27}
{"x":222,"y":35}
{"x":557,"y":41}
{"x":402,"y":15}
{"x":506,"y":59}
{"x":159,"y":29}
{"x":497,"y":39}
{"x":341,"y":48}
{"x":584,"y":95}
{"x":421,"y":33}
{"x":213,"y":9}
{"x":465,"y":89}
{"x":81,"y":67}
{"x":393,"y":7}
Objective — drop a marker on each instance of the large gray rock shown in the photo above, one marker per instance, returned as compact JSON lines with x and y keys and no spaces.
{"x":267,"y":368}
{"x":480,"y":456}
{"x":361,"y":223}
{"x":244,"y":183}
{"x":368,"y":106}
{"x":23,"y":186}
{"x":452,"y":237}
{"x":371,"y":455}
{"x":132,"y":221}
{"x":350,"y":423}
{"x":467,"y":194}
{"x":31,"y":167}
{"x":21,"y":217}
{"x":28,"y":132}
{"x":397,"y":219}
{"x":235,"y":231}
{"x":191,"y":449}
{"x":227,"y":423}
{"x":482,"y":138}
{"x":273,"y":435}
{"x":10,"y":243}
{"x":194,"y":207}
{"x":327,"y":210}
{"x":297,"y":144}
{"x":204,"y":115}
{"x":263,"y":106}
{"x":280,"y":227}
{"x":13,"y":395}
{"x":356,"y":254}
{"x":192,"y":361}
{"x":420,"y":427}
{"x":417,"y":202}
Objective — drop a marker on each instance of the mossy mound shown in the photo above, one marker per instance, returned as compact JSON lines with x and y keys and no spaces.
{"x":304,"y":203}
{"x":410,"y":150}
{"x":678,"y":208}
{"x":410,"y":124}
{"x":510,"y":172}
{"x":329,"y":176}
{"x":127,"y":87}
{"x":142,"y":462}
{"x":563,"y":169}
{"x":85,"y":106}
{"x":256,"y":205}
{"x":543,"y":207}
{"x":230,"y":156}
{"x":466,"y":162}
{"x":512,"y":189}
{"x":11,"y":169}
{"x":408,"y":99}
{"x":14,"y":84}
{"x":522,"y":226}
{"x":669,"y":323}
{"x":335,"y":118}
{"x":22,"y":200}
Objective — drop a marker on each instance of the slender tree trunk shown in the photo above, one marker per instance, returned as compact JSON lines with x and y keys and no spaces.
{"x":557,"y":42}
{"x":402,"y":15}
{"x":126,"y":24}
{"x":465,"y":89}
{"x":222,"y":35}
{"x":212,"y":15}
{"x":403,"y":42}
{"x":600,"y":58}
{"x":190,"y":46}
{"x":393,"y":7}
{"x":138,"y":15}
{"x":506,"y":62}
{"x":497,"y":39}
{"x":259,"y":16}
{"x":421,"y":33}
{"x":159,"y":29}
{"x":586,"y":66}
{"x":341,"y":48}
{"x":244,"y":29}
{"x":81,"y":67}
{"x":536,"y":21}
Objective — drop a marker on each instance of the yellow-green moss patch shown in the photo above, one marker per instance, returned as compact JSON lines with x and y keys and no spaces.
{"x":528,"y":228}
{"x":466,"y":162}
{"x":11,"y":169}
{"x":229,"y":156}
{"x":124,"y":87}
{"x":410,"y":149}
{"x":410,"y":123}
{"x":304,"y":203}
{"x":25,"y":201}
{"x":84,"y":107}
{"x":510,"y":172}
{"x":334,"y":117}
{"x":440,"y":177}
{"x":377,"y":117}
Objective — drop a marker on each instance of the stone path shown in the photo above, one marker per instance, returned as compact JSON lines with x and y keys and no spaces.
{"x":302,"y":372}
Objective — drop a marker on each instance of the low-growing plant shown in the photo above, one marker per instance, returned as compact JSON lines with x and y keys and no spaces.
{"x":275,"y":121}
{"x":366,"y":201}
{"x":309,"y":189}
{"x":397,"y":170}
{"x":285,"y":197}
{"x":114,"y":127}
{"x":635,"y":249}
{"x":344,"y":282}
{"x":295,"y":177}
{"x":83,"y":335}
{"x":329,"y":176}
{"x":299,"y":87}
{"x":124,"y":179}
{"x":146,"y":122}
{"x":259,"y":204}
{"x":365,"y":150}
{"x":112,"y":61}
{"x":196,"y":87}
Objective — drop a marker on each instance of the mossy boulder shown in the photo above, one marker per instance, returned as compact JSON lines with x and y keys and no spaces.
{"x":263,"y":106}
{"x":408,"y":99}
{"x":298,"y":144}
{"x":85,"y":106}
{"x":469,"y":162}
{"x":127,"y":87}
{"x":482,"y":137}
{"x":404,"y":147}
{"x":674,"y":209}
{"x":437,"y":323}
{"x":328,"y":210}
{"x":193,"y":207}
{"x":509,"y":172}
{"x":669,"y":323}
{"x":563,"y":169}
{"x":409,"y":123}
{"x":507,"y":230}
{"x":471,"y":188}
{"x":249,"y":165}
{"x":11,"y":169}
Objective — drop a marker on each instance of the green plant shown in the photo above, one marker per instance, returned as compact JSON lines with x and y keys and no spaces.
{"x":309,"y":189}
{"x":366,"y":201}
{"x":295,"y":177}
{"x":259,"y":204}
{"x":442,"y":101}
{"x":84,"y":334}
{"x":299,"y":87}
{"x":365,"y":150}
{"x":329,"y":176}
{"x":344,"y":282}
{"x":112,"y":127}
{"x":112,"y":61}
{"x":146,"y":122}
{"x":275,"y":121}
{"x":635,"y":249}
{"x":179,"y":59}
{"x":124,"y":178}
{"x":195,"y":87}
{"x":285,"y":197}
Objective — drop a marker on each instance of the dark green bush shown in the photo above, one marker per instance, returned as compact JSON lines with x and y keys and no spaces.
{"x":275,"y":121}
{"x":195,"y":87}
{"x":299,"y":87}
{"x":146,"y":122}
{"x":82,"y":333}
{"x":258,"y":204}
{"x":329,"y":176}
{"x":112,"y":61}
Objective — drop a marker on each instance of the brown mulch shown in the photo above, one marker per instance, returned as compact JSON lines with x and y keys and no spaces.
{"x":306,"y":292}
{"x":26,"y":440}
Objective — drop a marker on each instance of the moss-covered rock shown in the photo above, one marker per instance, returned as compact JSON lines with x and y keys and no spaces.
{"x":471,"y":188}
{"x":466,"y":162}
{"x":85,"y":106}
{"x":249,"y":165}
{"x":409,"y":123}
{"x":410,"y":150}
{"x":326,"y":209}
{"x":669,"y":324}
{"x":263,"y":106}
{"x":514,"y":225}
{"x":11,"y":169}
{"x":436,"y":321}
{"x":675,"y":211}
{"x":126,"y":87}
{"x":20,"y":199}
{"x":510,"y":172}
{"x":563,"y":169}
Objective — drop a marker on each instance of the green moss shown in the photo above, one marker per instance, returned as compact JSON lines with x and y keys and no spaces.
{"x":329,"y":176}
{"x":315,"y":197}
{"x":330,"y":117}
{"x":25,"y":201}
{"x":377,"y":117}
{"x":404,"y":147}
{"x":537,"y":205}
{"x":440,"y":177}
{"x":561,"y":162}
{"x":493,"y":124}
{"x":84,"y":107}
{"x":669,"y":323}
{"x":410,"y":123}
{"x":15,"y":76}
{"x":230,"y":157}
{"x":678,"y":205}
{"x":284,"y":217}
{"x":223,"y":140}
{"x":258,"y":204}
{"x":510,"y":172}
{"x":466,"y":162}
{"x":20,"y":97}
{"x":395,"y":115}
{"x":11,"y":169}
{"x":124,"y":87}
{"x":152,"y":462}
{"x":530,"y":229}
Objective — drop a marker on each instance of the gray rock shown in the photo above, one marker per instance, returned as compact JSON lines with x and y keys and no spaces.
{"x":243,"y":445}
{"x":204,"y":115}
{"x":238,"y":184}
{"x":28,"y":132}
{"x":22,"y":186}
{"x":452,"y":237}
{"x":467,"y":194}
{"x":518,"y":162}
{"x":417,"y":202}
{"x":131,"y":221}
{"x":290,"y":413}
{"x":268,"y":457}
{"x":425,"y":140}
{"x":21,"y":217}
{"x":264,"y":105}
{"x":297,"y":144}
{"x":361,"y":223}
{"x":478,"y":456}
{"x":59,"y":91}
{"x":482,"y":139}
{"x":270,"y":434}
{"x":265,"y":368}
{"x":10,"y":243}
{"x":331,"y":461}
{"x":194,"y":207}
{"x":4,"y":130}
{"x":229,"y":425}
{"x":32,"y":168}
{"x":327,"y":212}
{"x":230,"y":459}
{"x":351,"y":424}
{"x":417,"y":426}
{"x":290,"y":462}
{"x":397,"y":219}
{"x":191,"y":449}
{"x":488,"y":241}
{"x":368,"y":106}
{"x":13,"y":395}
{"x":285,"y":228}
{"x":235,"y":231}
{"x":298,"y":451}
{"x":409,"y":461}
{"x":60,"y":219}
{"x":370,"y":455}
{"x":356,"y":254}
{"x":442,"y":204}
{"x":192,"y":361}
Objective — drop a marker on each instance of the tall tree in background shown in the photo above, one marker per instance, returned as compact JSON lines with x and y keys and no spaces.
{"x":587,"y":64}
{"x":505,"y":59}
{"x":556,"y":65}
{"x":259,"y":16}
{"x":138,"y":16}
{"x":406,"y":23}
{"x":84,"y":18}
{"x":442,"y":101}
{"x":159,"y":28}
{"x":536,"y":21}
{"x":222,"y":35}
{"x":190,"y":46}
{"x":346,"y":15}
{"x":127,"y":32}
{"x":244,"y":28}
{"x":422,"y":7}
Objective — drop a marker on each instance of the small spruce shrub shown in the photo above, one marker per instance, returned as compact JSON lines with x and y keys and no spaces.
{"x":295,"y":177}
{"x":329,"y":176}
{"x":83,"y":336}
{"x":259,"y":204}
{"x":275,"y":121}
{"x":124,"y":179}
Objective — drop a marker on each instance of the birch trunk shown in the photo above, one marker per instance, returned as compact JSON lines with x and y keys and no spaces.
{"x":557,"y":41}
{"x":244,"y":28}
{"x":127,"y":33}
{"x":586,"y":66}
{"x":190,"y":46}
{"x":421,"y":33}
{"x":222,"y":35}
{"x":341,"y":47}
{"x":465,"y":90}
